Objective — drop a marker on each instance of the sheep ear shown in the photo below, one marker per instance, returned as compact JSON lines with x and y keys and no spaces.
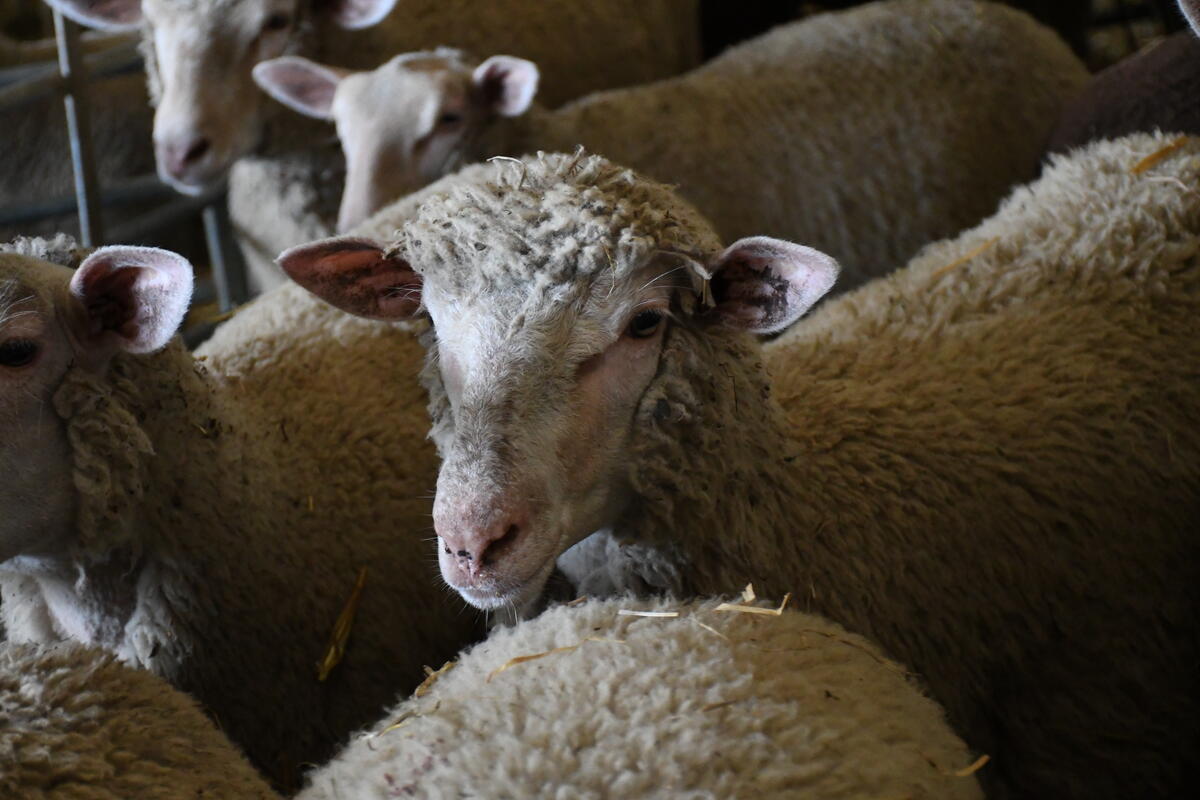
{"x":355,"y":14}
{"x":356,"y":275}
{"x":762,"y":285}
{"x":107,"y":15}
{"x":1191,"y":10}
{"x":132,"y":298}
{"x":506,"y":85}
{"x":300,"y":84}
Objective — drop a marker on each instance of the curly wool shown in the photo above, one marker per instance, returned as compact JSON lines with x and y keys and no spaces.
{"x":701,"y":705}
{"x":112,"y":455}
{"x":78,"y":725}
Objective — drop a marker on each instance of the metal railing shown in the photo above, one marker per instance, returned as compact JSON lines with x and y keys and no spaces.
{"x":70,"y":78}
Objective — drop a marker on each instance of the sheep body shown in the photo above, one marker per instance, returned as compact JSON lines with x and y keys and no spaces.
{"x":1154,"y":89}
{"x":952,"y":461}
{"x":866,"y":133}
{"x":225,"y":507}
{"x":639,"y":707}
{"x":78,"y":724}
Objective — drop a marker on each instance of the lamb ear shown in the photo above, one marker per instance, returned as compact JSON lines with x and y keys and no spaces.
{"x":1191,"y":10}
{"x":355,"y":14}
{"x":356,"y":275}
{"x":506,"y":84}
{"x":107,"y":15}
{"x":300,"y":84}
{"x":133,"y":298}
{"x":762,"y":285}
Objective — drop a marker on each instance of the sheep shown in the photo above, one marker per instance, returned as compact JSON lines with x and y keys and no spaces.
{"x":1154,"y":89}
{"x":78,"y":724}
{"x":949,"y":105}
{"x":211,"y":117}
{"x":207,"y":517}
{"x":698,"y":704}
{"x":950,"y":461}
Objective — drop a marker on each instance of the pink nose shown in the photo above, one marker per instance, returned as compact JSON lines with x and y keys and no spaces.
{"x":475,"y":547}
{"x":180,"y":156}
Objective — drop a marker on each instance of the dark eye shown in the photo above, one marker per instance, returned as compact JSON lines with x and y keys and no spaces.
{"x":17,"y":352}
{"x":450,"y":118}
{"x":645,"y":324}
{"x":277,"y":22}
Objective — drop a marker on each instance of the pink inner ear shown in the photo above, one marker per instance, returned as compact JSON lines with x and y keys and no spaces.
{"x":356,"y":276}
{"x":750,"y":294}
{"x":108,"y":299}
{"x":300,"y":84}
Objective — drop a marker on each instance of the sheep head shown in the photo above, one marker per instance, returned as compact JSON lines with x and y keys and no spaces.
{"x":55,"y":326}
{"x":406,"y":123}
{"x":200,"y":54}
{"x":562,"y":292}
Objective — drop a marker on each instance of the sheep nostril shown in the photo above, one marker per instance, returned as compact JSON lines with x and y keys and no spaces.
{"x":462,"y":554}
{"x":497,"y":547}
{"x":196,"y":151}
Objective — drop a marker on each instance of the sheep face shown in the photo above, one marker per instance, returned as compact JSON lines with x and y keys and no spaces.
{"x":406,"y":123}
{"x":200,"y":54}
{"x":51,"y":322}
{"x":552,"y":305}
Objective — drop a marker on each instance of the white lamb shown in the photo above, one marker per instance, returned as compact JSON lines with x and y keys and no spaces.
{"x":208,"y":519}
{"x":867,"y":133}
{"x":79,"y":725}
{"x":585,"y":703}
{"x":987,"y":463}
{"x":211,"y":117}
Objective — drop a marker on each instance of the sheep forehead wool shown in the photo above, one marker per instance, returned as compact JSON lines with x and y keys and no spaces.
{"x":550,"y":220}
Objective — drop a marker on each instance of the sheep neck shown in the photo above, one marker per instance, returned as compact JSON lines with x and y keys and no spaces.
{"x":137,"y":433}
{"x":716,"y":495}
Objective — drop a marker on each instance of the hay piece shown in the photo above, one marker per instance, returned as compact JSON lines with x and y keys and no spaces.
{"x":940,"y":271}
{"x":512,"y":662}
{"x":1158,"y":155}
{"x":745,"y":609}
{"x":748,"y":595}
{"x":627,"y":612}
{"x":577,"y":601}
{"x":402,"y":720}
{"x":709,"y":628}
{"x":431,"y":677}
{"x":341,"y":629}
{"x":978,"y":764}
{"x":712,"y":706}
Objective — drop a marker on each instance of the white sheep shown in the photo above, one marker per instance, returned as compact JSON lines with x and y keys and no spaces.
{"x":211,"y":117}
{"x":867,"y":133}
{"x":79,"y":725}
{"x":988,"y":463}
{"x":584,"y":702}
{"x":207,"y":519}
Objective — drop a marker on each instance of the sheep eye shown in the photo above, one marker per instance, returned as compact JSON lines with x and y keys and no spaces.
{"x":17,"y":352}
{"x":277,"y":22}
{"x":645,"y":324}
{"x":450,"y":118}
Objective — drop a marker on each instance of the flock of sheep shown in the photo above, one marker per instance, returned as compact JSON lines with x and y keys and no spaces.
{"x":819,"y":320}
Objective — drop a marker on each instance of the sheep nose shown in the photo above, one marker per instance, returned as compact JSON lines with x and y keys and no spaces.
{"x":478,"y":547}
{"x":179,"y":156}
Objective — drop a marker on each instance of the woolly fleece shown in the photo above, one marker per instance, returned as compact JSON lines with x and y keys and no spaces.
{"x":988,"y":463}
{"x":749,"y":706}
{"x":865,"y":134}
{"x":79,"y":725}
{"x":226,"y":504}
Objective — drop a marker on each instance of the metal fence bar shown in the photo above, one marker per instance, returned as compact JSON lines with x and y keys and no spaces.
{"x":229,"y":271}
{"x":83,"y":162}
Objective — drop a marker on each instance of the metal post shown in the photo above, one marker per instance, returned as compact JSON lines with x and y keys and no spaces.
{"x":79,"y":130}
{"x":229,"y":271}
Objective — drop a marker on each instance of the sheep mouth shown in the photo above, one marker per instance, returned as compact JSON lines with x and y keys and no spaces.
{"x":492,"y":591}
